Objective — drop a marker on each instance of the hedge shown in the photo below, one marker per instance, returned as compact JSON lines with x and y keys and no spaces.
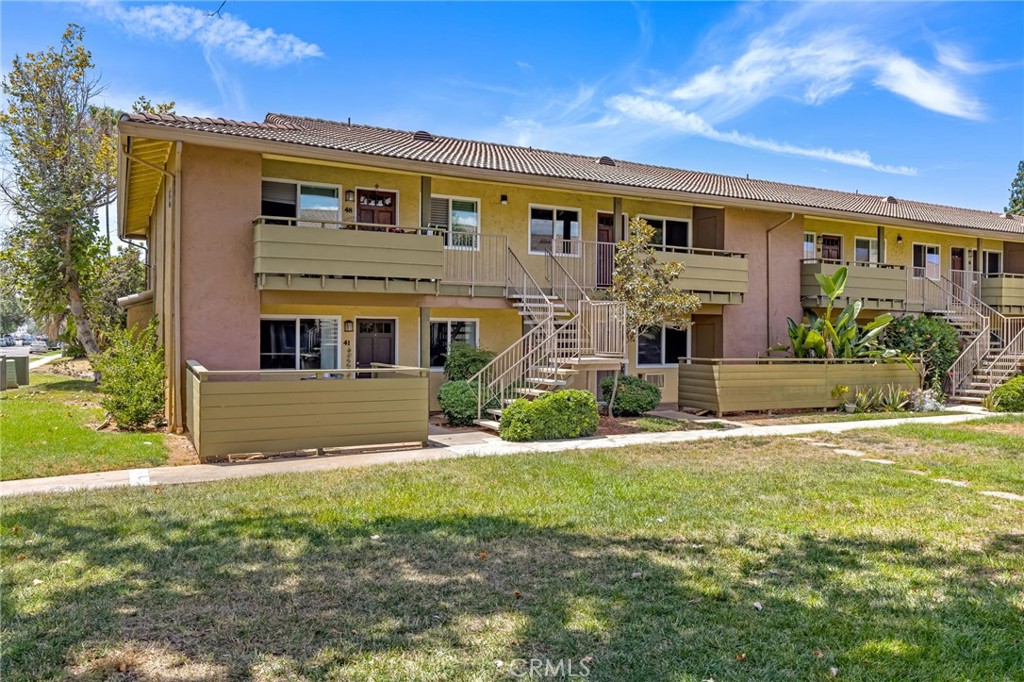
{"x":634,"y":397}
{"x":563,"y":414}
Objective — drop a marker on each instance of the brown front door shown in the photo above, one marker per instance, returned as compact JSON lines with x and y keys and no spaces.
{"x":957,"y":259}
{"x":605,"y":249}
{"x":375,"y":342}
{"x":831,"y":247}
{"x":377,"y":209}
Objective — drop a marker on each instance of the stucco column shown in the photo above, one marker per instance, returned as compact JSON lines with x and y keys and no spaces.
{"x":881,"y":245}
{"x":620,"y":229}
{"x":424,"y":337}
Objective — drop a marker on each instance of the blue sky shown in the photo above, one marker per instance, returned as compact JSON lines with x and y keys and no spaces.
{"x":921,"y":101}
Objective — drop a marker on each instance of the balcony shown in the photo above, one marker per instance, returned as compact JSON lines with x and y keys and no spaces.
{"x":880,"y":286}
{"x":716,"y":276}
{"x":1004,"y":292}
{"x":307,"y":255}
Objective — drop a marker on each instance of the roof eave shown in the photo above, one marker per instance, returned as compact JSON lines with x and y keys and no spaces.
{"x":162,"y":132}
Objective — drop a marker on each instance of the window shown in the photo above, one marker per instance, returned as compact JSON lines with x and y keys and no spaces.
{"x":548,"y":223}
{"x":661,"y":346}
{"x":443,"y":333}
{"x":299,"y":343}
{"x":865,"y":250}
{"x":669,"y":232}
{"x":314,"y":203}
{"x":993,"y":262}
{"x":810,"y":252}
{"x":926,"y":261}
{"x":461,"y":217}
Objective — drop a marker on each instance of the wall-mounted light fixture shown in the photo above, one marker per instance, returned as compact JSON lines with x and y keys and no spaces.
{"x":899,"y":240}
{"x":818,"y":239}
{"x":350,"y":195}
{"x":504,"y":200}
{"x":349,"y":326}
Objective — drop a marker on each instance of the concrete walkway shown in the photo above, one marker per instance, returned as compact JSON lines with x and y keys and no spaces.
{"x":444,"y":446}
{"x":39,"y":362}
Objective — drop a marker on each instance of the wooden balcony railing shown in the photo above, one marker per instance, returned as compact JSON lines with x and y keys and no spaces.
{"x":311,"y":248}
{"x":718,"y":276}
{"x":880,"y":285}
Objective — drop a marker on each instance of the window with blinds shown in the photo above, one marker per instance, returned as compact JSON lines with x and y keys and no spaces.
{"x":460,"y":218}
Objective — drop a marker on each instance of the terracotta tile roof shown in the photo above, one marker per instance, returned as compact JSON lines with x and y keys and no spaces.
{"x":420,"y":146}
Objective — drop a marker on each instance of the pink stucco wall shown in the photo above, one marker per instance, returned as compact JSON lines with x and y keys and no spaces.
{"x":750,"y":327}
{"x":220,"y":306}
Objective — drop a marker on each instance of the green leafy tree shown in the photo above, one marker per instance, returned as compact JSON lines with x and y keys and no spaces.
{"x":647,"y":287}
{"x":55,"y":187}
{"x":121,"y":274}
{"x":13,"y":313}
{"x":1016,"y":205}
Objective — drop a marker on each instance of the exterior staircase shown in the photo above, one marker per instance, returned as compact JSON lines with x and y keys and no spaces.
{"x":567,"y":333}
{"x":992,"y":344}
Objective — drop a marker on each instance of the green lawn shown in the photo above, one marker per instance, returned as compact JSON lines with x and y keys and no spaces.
{"x":989,"y":454}
{"x":47,"y":429}
{"x":643,"y":564}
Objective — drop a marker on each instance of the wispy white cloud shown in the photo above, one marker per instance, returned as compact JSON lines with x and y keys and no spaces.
{"x":799,"y":58}
{"x":223,"y":34}
{"x":661,"y":113}
{"x":525,"y":66}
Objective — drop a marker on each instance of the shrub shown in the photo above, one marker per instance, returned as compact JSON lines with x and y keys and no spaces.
{"x":1009,"y":396}
{"x":458,"y":401}
{"x":563,"y":414}
{"x":132,"y":377}
{"x":932,"y":339}
{"x":464,"y":361}
{"x":634,"y":397}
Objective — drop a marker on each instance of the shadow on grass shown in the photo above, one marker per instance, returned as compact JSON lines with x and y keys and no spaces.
{"x":254,"y":594}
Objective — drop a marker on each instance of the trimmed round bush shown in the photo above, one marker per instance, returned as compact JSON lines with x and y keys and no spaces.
{"x":458,"y":402}
{"x":634,"y":397}
{"x":1010,"y":395}
{"x":563,"y":414}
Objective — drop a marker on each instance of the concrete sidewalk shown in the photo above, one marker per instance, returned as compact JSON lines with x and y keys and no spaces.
{"x":447,"y":446}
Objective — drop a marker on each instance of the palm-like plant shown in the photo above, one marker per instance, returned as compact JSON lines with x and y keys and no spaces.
{"x":820,"y":337}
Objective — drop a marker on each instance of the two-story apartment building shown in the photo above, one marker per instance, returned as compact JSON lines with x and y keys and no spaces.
{"x":304,"y":244}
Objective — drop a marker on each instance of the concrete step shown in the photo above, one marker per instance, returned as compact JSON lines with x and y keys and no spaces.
{"x":970,"y":399}
{"x":532,"y":392}
{"x":494,"y":412}
{"x":546,"y":381}
{"x":560,"y":371}
{"x":488,"y":424}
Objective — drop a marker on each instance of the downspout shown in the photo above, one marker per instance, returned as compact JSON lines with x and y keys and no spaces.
{"x":768,"y":278}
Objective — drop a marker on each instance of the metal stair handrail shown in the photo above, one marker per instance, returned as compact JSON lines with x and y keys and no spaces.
{"x":1013,"y":350}
{"x":509,"y":369}
{"x":602,"y":324}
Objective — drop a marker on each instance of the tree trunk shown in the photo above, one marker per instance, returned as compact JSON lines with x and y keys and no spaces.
{"x":83,"y":327}
{"x":615,"y":389}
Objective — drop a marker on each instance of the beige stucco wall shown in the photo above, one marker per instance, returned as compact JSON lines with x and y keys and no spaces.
{"x":511,"y":219}
{"x":499,"y":327}
{"x":899,"y":253}
{"x":220,"y":196}
{"x":750,"y":327}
